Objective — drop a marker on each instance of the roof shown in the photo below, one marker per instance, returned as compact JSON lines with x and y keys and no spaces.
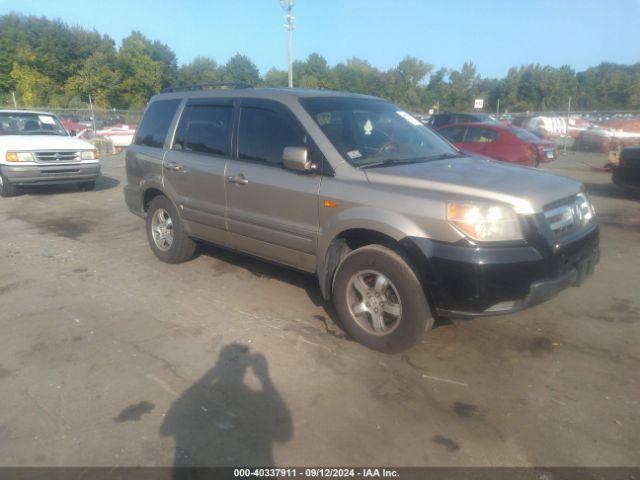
{"x":489,"y":125}
{"x":37,"y":112}
{"x":477,"y":114}
{"x":266,"y":93}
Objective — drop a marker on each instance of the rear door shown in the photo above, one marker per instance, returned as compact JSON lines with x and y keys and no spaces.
{"x":194,"y":167}
{"x":272,"y":212}
{"x":480,"y":140}
{"x":144,"y":157}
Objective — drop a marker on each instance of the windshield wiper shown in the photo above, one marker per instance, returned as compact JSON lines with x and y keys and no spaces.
{"x":445,"y":156}
{"x":403,"y":161}
{"x":393,"y":161}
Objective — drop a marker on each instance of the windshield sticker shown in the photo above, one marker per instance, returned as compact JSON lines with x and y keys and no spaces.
{"x":409,"y":118}
{"x":324,"y":118}
{"x":46,"y":119}
{"x":353,"y":154}
{"x":368,"y":128}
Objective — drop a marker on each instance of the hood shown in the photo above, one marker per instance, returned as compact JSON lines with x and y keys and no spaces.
{"x":42,"y":142}
{"x":526,"y":189}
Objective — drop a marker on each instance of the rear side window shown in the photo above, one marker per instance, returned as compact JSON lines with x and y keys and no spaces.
{"x":264,"y":134}
{"x":453,"y":134}
{"x":523,"y":134}
{"x":481,"y":135}
{"x":155,"y":124}
{"x":441,"y":120}
{"x":204,"y":129}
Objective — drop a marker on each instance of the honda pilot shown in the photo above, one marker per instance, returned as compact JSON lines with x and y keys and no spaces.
{"x":398,"y":225}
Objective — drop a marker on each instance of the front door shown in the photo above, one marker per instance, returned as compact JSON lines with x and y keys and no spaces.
{"x":194,"y":168}
{"x":272,"y":212}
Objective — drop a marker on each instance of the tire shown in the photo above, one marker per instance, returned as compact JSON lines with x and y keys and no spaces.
{"x":87,"y":186}
{"x":180,"y":247}
{"x":394,"y":332}
{"x":7,"y":189}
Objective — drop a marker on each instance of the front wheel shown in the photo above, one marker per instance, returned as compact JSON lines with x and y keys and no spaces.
{"x":380,"y":300}
{"x":166,"y":235}
{"x":6,"y":189}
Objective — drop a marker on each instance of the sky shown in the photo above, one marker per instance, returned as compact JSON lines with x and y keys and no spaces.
{"x":494,"y":34}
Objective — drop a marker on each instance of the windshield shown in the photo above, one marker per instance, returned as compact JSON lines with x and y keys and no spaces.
{"x":26,"y":123}
{"x":523,"y":134}
{"x":368,"y":132}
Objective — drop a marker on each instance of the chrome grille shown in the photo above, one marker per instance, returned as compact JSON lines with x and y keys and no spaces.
{"x":57,"y":156}
{"x":569,"y":214}
{"x":561,"y":219}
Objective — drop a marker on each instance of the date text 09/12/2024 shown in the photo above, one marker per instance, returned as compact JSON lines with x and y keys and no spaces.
{"x":315,"y":473}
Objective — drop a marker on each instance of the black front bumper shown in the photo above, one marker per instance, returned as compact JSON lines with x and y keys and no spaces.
{"x":47,"y":174}
{"x":466,"y":280}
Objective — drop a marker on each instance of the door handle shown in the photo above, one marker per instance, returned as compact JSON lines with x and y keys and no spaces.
{"x":238,"y":179}
{"x":175,"y":167}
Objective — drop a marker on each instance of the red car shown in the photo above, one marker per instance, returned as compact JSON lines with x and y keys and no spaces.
{"x":508,"y":144}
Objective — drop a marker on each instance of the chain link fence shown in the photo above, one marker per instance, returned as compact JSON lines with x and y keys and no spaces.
{"x":110,"y":130}
{"x":103,"y":117}
{"x":581,"y":130}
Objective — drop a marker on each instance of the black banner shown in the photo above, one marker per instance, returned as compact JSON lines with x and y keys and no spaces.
{"x":401,"y":473}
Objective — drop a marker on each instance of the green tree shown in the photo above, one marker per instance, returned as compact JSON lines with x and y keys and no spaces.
{"x":240,"y":68}
{"x":356,"y":75}
{"x":200,"y":70}
{"x":403,"y":83}
{"x":141,"y":76}
{"x":97,"y":77}
{"x":314,"y":72}
{"x":276,"y":78}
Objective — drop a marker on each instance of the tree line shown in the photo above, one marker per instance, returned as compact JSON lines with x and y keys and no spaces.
{"x":49,"y":63}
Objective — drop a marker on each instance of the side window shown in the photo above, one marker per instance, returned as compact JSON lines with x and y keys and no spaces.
{"x":442,"y":120}
{"x":204,"y":129}
{"x":453,"y":134}
{"x":481,"y":135}
{"x":462,"y":118}
{"x":263,"y":134}
{"x":155,"y":124}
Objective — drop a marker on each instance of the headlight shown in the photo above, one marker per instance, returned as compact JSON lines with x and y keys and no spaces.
{"x":485,"y":223}
{"x":90,"y":154}
{"x":20,"y":157}
{"x":584,"y":208}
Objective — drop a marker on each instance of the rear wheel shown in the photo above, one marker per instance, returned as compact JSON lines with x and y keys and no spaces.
{"x":380,"y":300}
{"x":7,"y":189}
{"x":166,"y":235}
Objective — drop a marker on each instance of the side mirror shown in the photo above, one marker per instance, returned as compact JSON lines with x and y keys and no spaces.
{"x":295,"y":158}
{"x":73,"y":133}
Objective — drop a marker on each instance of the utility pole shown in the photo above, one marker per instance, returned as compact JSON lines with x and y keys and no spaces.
{"x":93,"y":115}
{"x":566,"y":133}
{"x":287,"y":6}
{"x":498,"y":108}
{"x":15,"y":104}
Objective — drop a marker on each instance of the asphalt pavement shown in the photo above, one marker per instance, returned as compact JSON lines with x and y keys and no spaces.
{"x":110,"y":357}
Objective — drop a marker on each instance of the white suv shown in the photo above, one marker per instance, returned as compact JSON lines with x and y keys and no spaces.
{"x":35,"y":149}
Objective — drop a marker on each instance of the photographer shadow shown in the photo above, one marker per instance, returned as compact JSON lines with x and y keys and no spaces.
{"x":220,"y":421}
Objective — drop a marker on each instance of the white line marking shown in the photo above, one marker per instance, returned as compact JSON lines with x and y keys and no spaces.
{"x":455,"y":382}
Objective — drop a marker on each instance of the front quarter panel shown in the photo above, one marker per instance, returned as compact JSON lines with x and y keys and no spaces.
{"x":397,"y":213}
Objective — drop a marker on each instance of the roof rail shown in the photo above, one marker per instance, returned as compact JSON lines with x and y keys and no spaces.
{"x":206,"y":86}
